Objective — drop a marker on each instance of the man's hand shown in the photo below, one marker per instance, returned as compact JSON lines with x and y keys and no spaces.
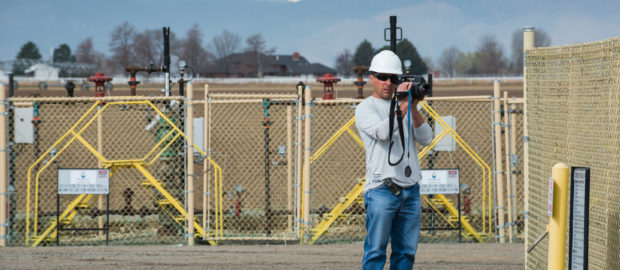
{"x":404,"y":103}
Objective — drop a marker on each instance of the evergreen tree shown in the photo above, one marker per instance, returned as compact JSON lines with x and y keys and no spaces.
{"x":363,"y":54}
{"x":63,"y":54}
{"x":28,"y":51}
{"x":407,"y":51}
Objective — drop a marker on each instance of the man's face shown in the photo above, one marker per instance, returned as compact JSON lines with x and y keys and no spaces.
{"x":383,"y":85}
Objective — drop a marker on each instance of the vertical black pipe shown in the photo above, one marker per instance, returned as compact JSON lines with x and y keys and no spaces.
{"x":393,"y":33}
{"x":36,"y":121}
{"x":459,"y":207}
{"x":166,"y":31}
{"x":11,"y":85}
{"x":433,"y":155}
{"x":58,"y":219}
{"x":107,"y":219}
{"x":166,"y":67}
{"x":430,"y":83}
{"x":266,"y":126}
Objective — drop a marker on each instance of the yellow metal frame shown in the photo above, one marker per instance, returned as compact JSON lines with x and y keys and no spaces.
{"x":486,"y":169}
{"x":346,"y":201}
{"x":140,"y":164}
{"x":345,"y":128}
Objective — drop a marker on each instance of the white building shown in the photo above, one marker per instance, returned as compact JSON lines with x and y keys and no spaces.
{"x":43,"y":72}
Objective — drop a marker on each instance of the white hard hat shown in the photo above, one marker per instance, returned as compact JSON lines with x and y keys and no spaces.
{"x":386,"y":62}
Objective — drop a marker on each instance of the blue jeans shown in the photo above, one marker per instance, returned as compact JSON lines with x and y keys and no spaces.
{"x":398,"y":218}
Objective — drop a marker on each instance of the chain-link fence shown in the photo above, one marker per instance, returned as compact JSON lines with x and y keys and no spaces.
{"x":338,"y":167}
{"x":252,"y":138}
{"x":247,"y":180}
{"x":573,"y":95}
{"x":141,"y":144}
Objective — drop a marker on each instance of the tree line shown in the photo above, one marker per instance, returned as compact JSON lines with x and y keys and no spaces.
{"x":128,"y":46}
{"x":489,"y":58}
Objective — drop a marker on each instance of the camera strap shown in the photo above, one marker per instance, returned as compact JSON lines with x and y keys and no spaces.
{"x":408,"y":168}
{"x":399,"y":117}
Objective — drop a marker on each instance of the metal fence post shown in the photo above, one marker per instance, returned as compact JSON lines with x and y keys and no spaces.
{"x":299,"y":160}
{"x":190,"y":163}
{"x":511,"y":169}
{"x":501,"y":223}
{"x":3,"y":166}
{"x":307,"y":155}
{"x":289,"y":166}
{"x":528,"y":43}
{"x":206,"y":204}
{"x":100,"y":204}
{"x":509,"y":190}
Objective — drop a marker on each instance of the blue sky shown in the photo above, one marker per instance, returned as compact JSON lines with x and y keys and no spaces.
{"x":318,"y":29}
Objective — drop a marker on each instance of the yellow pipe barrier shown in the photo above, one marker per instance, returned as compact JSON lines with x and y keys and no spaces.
{"x":432,"y":205}
{"x":75,"y":136}
{"x":434,"y":142}
{"x":557,"y":226}
{"x":28,"y":185}
{"x":68,"y":213}
{"x":89,"y":147}
{"x":447,"y":130}
{"x":113,"y":163}
{"x":165,"y":147}
{"x":476,"y":159}
{"x":333,"y":139}
{"x":159,"y":143}
{"x":356,"y":138}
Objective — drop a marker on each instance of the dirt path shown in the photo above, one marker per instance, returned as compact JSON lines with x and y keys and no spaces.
{"x":430,"y":256}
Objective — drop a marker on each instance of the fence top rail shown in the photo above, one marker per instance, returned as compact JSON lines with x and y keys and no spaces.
{"x":248,"y":96}
{"x":254,"y":100}
{"x":516,"y":100}
{"x":93,"y":99}
{"x":337,"y":101}
{"x":460,"y":98}
{"x":242,"y":97}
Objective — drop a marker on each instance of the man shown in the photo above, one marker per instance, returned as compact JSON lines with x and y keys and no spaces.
{"x":391,"y":193}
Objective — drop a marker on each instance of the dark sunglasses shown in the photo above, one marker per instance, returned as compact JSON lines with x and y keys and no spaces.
{"x":383,"y":77}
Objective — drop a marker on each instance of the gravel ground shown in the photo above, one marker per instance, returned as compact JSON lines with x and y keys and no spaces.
{"x":430,"y":256}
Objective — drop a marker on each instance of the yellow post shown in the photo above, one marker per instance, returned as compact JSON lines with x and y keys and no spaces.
{"x":528,"y":43}
{"x":289,"y":165}
{"x":499,"y":183}
{"x":307,"y":154}
{"x":557,"y":226}
{"x":100,"y":204}
{"x":189,"y":123}
{"x":299,"y":161}
{"x":3,"y":166}
{"x":206,"y":204}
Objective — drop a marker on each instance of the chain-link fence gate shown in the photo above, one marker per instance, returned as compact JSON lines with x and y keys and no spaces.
{"x":140,"y":142}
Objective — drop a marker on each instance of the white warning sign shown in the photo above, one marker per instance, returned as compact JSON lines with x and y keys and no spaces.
{"x":83,"y":181}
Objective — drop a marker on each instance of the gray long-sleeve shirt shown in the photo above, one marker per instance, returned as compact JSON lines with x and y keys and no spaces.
{"x":372,"y":121}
